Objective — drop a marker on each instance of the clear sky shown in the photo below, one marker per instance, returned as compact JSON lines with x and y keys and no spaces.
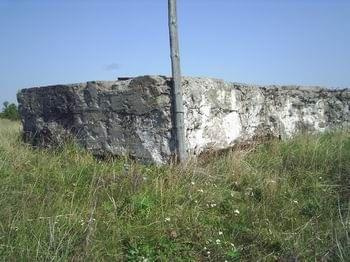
{"x":46,"y":42}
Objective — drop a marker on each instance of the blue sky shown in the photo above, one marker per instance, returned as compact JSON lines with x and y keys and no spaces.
{"x":263,"y":41}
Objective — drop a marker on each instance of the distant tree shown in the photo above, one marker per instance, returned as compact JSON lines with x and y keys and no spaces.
{"x":10,"y":111}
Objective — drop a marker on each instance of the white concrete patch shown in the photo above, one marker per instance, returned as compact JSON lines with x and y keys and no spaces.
{"x":231,"y":126}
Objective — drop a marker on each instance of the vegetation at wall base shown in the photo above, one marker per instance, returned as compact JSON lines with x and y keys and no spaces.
{"x":10,"y":111}
{"x":276,"y":201}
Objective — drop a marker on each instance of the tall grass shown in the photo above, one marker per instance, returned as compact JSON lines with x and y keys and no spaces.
{"x":278,"y":201}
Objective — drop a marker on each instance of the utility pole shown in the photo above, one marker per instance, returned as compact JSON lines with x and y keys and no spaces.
{"x":177,"y":102}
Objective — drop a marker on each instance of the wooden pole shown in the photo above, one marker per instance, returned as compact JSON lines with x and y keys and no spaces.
{"x":176,"y":86}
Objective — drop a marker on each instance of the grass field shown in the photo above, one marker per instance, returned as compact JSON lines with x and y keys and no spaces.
{"x":277,"y":201}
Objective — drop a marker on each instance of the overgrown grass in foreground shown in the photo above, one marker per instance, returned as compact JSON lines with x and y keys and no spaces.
{"x":278,"y":201}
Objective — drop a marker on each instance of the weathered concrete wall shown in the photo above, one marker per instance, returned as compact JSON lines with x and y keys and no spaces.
{"x":133,"y":117}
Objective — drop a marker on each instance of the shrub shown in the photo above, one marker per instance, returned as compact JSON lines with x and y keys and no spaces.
{"x":10,"y":111}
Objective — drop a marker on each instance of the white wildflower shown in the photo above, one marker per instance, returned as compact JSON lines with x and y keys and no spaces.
{"x":220,"y":233}
{"x":249,"y":192}
{"x":236,"y":212}
{"x":126,"y":167}
{"x":218,"y":241}
{"x":167,"y":219}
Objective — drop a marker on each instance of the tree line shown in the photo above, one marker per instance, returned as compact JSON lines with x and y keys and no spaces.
{"x":10,"y":111}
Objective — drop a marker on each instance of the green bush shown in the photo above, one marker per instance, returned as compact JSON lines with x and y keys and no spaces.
{"x":10,"y":111}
